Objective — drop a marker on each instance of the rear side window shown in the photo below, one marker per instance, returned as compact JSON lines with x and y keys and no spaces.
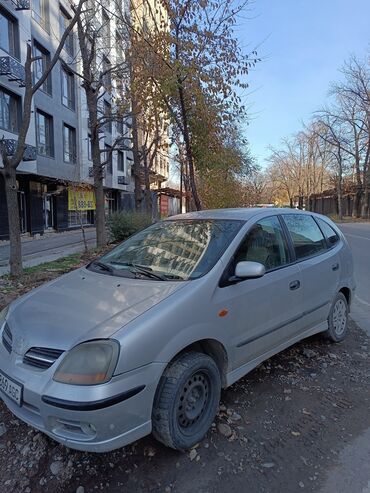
{"x":265,"y":243}
{"x":307,"y":237}
{"x":331,"y":236}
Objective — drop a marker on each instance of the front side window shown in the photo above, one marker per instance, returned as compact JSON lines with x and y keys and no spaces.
{"x":9,"y":40}
{"x":10,"y":111}
{"x":40,"y":12}
{"x":331,"y":236}
{"x":178,"y":249}
{"x":68,"y":89}
{"x":69,"y":144}
{"x":306,"y":235}
{"x":265,"y":243}
{"x":42,"y":60}
{"x":44,"y":134}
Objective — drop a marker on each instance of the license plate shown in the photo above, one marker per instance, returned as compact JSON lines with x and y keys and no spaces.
{"x":11,"y":388}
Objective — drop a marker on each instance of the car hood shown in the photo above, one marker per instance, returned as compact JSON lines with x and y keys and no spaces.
{"x":82,"y":305}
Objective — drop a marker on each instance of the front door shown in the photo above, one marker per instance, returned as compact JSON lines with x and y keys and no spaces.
{"x":48,"y":211}
{"x":265,"y":312}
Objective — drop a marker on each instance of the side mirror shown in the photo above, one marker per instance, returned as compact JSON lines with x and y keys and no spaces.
{"x":249,"y":270}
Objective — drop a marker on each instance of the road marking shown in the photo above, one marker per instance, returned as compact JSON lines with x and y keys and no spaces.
{"x":357,"y":236}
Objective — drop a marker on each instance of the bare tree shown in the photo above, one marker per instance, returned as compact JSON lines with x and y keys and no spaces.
{"x":331,"y":132}
{"x":104,"y":72}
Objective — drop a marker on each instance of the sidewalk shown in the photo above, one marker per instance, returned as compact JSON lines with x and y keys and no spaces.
{"x":46,"y":235}
{"x":48,"y":247}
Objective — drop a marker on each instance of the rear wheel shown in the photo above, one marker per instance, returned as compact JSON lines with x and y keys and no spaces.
{"x":338,"y":319}
{"x":186,"y":401}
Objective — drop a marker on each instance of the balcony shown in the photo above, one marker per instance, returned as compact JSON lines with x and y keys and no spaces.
{"x":13,"y":69}
{"x":29,"y":152}
{"x":21,"y":4}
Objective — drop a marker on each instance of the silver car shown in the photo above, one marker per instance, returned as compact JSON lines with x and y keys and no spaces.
{"x":143,"y":339}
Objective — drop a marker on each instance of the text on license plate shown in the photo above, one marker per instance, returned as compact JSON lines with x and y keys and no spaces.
{"x":11,"y":388}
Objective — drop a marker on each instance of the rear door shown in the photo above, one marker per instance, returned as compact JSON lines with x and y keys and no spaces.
{"x":263,"y":312}
{"x":319,"y":265}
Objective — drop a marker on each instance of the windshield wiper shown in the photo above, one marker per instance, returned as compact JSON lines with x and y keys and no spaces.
{"x":142,"y":269}
{"x":103,"y":266}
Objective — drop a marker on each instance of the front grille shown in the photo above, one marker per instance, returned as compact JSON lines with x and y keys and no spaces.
{"x":41,"y":357}
{"x":7,"y":338}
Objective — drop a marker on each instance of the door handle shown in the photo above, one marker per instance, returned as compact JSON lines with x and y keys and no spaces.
{"x":294,"y":285}
{"x":335,"y":266}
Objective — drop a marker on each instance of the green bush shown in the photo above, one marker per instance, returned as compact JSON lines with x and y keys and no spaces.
{"x":123,"y":224}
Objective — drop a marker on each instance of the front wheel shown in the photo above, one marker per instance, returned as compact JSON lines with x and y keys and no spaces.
{"x":338,"y":319}
{"x":186,"y":401}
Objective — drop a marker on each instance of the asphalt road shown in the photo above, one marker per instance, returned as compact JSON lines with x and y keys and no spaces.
{"x":358,"y":236}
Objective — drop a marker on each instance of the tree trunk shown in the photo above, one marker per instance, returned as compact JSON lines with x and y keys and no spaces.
{"x":11,"y":193}
{"x":136,"y":155}
{"x":339,"y":198}
{"x":365,"y":204}
{"x":357,"y":202}
{"x":147,"y":194}
{"x":101,"y":233}
{"x":189,"y":151}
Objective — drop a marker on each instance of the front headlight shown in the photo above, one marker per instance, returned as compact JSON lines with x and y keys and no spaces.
{"x":3,"y":315}
{"x":89,"y":363}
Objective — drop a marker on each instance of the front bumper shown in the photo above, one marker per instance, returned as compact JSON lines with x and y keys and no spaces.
{"x":99,"y":418}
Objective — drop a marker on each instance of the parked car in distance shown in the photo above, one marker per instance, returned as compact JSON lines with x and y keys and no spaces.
{"x":143,"y":339}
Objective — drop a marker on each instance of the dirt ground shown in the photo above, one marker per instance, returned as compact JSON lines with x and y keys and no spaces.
{"x":279,"y":429}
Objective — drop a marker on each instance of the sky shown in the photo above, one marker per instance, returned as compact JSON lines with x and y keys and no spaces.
{"x":303,"y":44}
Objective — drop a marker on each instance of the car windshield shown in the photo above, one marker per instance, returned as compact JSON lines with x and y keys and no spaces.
{"x":172,"y":250}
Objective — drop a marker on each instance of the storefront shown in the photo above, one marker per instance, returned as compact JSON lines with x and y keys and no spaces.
{"x":43,"y":206}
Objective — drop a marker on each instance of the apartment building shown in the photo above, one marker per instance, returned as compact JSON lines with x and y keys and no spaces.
{"x":147,"y":15}
{"x":58,"y":156}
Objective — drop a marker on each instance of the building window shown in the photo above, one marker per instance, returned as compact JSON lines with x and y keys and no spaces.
{"x":107,"y":117}
{"x":40,"y":12}
{"x":40,"y":65}
{"x":68,"y":89}
{"x":89,"y":148}
{"x":120,"y":127}
{"x":120,"y":161}
{"x":44,"y":134}
{"x":108,"y":158}
{"x":9,"y":34}
{"x":64,"y":21}
{"x":75,"y":218}
{"x":119,"y":48}
{"x":107,"y":73}
{"x":10,"y":111}
{"x":105,"y":30}
{"x":69,"y":144}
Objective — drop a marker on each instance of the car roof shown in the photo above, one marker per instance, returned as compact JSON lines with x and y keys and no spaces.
{"x":242,"y":213}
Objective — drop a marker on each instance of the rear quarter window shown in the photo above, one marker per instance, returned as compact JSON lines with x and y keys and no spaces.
{"x":307,"y":237}
{"x":331,"y":236}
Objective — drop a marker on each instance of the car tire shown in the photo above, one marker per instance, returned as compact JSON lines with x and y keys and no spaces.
{"x":338,"y":319}
{"x":186,"y":400}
